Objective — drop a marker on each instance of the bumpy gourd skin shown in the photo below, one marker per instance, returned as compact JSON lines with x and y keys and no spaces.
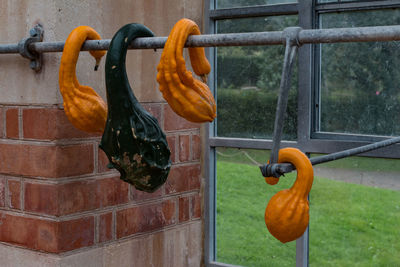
{"x":132,"y":139}
{"x":187,"y":96}
{"x":287,"y":213}
{"x":84,"y":108}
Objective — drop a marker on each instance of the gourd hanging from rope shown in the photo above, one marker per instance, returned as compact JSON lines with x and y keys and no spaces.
{"x":287,"y":213}
{"x":84,"y":108}
{"x":187,"y":96}
{"x":132,"y":139}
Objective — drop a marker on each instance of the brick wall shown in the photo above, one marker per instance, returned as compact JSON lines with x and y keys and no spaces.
{"x":57,"y":195}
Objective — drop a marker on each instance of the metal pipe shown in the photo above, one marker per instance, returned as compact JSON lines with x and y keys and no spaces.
{"x":9,"y":48}
{"x":278,"y":169}
{"x":361,"y":34}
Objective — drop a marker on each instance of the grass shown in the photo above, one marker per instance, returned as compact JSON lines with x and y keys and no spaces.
{"x":353,"y":225}
{"x":350,"y":225}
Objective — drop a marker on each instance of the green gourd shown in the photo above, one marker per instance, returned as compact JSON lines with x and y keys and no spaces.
{"x":132,"y":139}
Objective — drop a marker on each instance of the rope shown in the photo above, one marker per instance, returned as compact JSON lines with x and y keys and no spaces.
{"x":238,"y":153}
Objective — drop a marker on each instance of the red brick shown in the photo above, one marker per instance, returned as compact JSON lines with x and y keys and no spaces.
{"x":196,"y":206}
{"x":183,"y":178}
{"x":75,"y":234}
{"x":42,"y":198}
{"x":138,"y":195}
{"x":62,"y":199}
{"x":155,"y":110}
{"x":111,"y":191}
{"x":173,"y":122}
{"x":105,"y":227}
{"x":47,"y":235}
{"x":46,"y":161}
{"x":74,"y":160}
{"x":184,"y":147}
{"x":12,"y":123}
{"x":2,"y":192}
{"x":14,"y":193}
{"x":29,"y":232}
{"x":102,"y":161}
{"x":145,"y":218}
{"x":183,"y":209}
{"x":50,"y":124}
{"x":196,"y":147}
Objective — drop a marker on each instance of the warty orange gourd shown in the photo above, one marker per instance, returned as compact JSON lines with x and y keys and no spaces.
{"x":287,"y":213}
{"x":187,"y":96}
{"x":84,"y":108}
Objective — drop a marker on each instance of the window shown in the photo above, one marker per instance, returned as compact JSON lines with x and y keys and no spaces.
{"x":359,"y":80}
{"x":342,"y":96}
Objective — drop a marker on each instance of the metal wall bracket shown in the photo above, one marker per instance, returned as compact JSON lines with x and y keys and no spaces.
{"x":36,"y":35}
{"x":292,"y":44}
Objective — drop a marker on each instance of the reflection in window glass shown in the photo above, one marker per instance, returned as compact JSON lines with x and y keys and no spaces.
{"x":242,"y":196}
{"x":248,"y":82}
{"x":355,"y":213}
{"x":359,"y":86}
{"x":243,"y":3}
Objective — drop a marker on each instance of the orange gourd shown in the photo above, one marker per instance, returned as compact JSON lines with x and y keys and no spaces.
{"x":84,"y":108}
{"x":187,"y":96}
{"x":287,"y":213}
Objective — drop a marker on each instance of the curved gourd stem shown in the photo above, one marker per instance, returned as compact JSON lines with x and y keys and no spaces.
{"x":198,"y":59}
{"x":305,"y":173}
{"x":271,"y":180}
{"x":83,"y":106}
{"x":181,"y":96}
{"x":116,"y":61}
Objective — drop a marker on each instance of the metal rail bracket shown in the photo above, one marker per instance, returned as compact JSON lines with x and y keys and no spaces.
{"x":36,"y":35}
{"x":292,"y":43}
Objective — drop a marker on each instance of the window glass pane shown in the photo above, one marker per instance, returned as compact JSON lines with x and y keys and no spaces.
{"x":242,"y":196}
{"x":355,"y":213}
{"x":243,"y":3}
{"x":248,"y":82}
{"x":359,"y":82}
